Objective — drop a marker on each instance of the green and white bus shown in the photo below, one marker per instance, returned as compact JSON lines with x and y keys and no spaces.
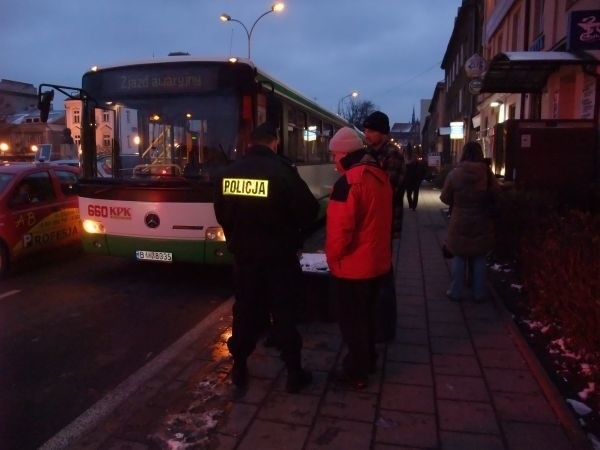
{"x":154,"y":132}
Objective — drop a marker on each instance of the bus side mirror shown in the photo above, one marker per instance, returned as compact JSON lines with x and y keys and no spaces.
{"x":44,"y":101}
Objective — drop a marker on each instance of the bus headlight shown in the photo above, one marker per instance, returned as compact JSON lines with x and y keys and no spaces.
{"x":93,"y":227}
{"x":215,"y":234}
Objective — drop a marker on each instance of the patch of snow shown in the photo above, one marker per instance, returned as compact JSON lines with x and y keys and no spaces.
{"x":518,"y":287}
{"x":583,"y":394}
{"x":562,"y":349}
{"x":580,"y":408}
{"x":594,"y":440}
{"x":314,"y":263}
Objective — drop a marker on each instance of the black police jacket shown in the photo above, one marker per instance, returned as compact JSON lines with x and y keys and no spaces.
{"x":263,"y":205}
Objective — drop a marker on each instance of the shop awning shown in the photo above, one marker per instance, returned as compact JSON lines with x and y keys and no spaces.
{"x":523,"y":72}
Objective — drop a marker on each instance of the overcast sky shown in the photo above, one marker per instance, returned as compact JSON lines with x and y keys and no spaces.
{"x":389,"y":51}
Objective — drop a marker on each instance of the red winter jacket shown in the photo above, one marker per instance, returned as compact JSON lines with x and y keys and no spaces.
{"x":359,"y":218}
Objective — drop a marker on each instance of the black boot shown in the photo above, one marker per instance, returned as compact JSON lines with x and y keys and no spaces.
{"x":239,"y":374}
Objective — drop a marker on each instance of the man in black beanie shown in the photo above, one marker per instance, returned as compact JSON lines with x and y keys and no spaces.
{"x":377,"y":134}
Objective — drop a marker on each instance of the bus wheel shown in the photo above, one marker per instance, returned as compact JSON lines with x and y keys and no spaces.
{"x":3,"y":259}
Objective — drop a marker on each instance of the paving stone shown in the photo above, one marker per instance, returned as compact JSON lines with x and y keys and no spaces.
{"x":408,"y":373}
{"x":455,"y":387}
{"x":412,"y":336}
{"x":265,"y":435}
{"x":448,"y":329}
{"x":223,"y":442}
{"x":464,"y":441}
{"x":494,"y":341}
{"x":317,"y":387}
{"x":264,"y":366}
{"x":237,"y":419}
{"x":404,"y":397}
{"x":470,"y":417}
{"x":520,"y":381}
{"x":410,"y":310}
{"x":331,"y":433}
{"x":523,"y":407}
{"x":485,"y":310}
{"x":456,"y":365}
{"x":289,"y":408}
{"x":406,"y":429}
{"x":444,"y":315}
{"x":257,"y":390}
{"x":417,"y":322}
{"x":486,"y":326}
{"x":352,"y":405}
{"x":410,"y":300}
{"x":451,"y":346}
{"x":533,"y":436}
{"x":408,"y":353}
{"x":409,"y":290}
{"x":502,"y":359}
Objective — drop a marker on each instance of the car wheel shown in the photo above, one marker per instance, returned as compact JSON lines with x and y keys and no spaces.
{"x":3,"y":259}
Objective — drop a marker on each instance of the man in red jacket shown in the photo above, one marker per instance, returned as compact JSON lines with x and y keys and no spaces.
{"x":359,"y":218}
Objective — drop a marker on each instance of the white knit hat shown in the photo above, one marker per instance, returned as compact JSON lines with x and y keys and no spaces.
{"x":346,"y":140}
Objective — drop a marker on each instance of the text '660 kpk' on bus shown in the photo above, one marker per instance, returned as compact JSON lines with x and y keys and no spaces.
{"x":115,"y":212}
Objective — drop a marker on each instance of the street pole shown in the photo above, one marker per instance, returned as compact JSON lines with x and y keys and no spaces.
{"x":277,"y":7}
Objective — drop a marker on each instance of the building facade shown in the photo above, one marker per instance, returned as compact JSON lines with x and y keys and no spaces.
{"x":534,"y":65}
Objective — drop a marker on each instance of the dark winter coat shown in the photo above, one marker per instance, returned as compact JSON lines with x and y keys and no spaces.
{"x":359,"y":217}
{"x":471,"y":230}
{"x":415,"y":172}
{"x":263,"y":205}
{"x":391,"y":161}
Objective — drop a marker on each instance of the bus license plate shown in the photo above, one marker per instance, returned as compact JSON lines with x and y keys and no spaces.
{"x":146,"y":255}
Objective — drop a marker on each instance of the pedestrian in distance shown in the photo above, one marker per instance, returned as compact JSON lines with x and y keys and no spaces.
{"x":357,"y":247}
{"x":263,"y":206}
{"x":469,"y":188}
{"x":415,"y":172}
{"x":390,"y":159}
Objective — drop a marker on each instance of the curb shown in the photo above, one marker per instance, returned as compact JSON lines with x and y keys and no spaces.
{"x":565,"y":415}
{"x":102,"y":409}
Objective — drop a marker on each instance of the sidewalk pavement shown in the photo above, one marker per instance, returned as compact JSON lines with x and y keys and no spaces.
{"x":457,"y":376}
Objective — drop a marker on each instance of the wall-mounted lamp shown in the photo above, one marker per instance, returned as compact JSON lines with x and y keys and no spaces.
{"x":495,"y":103}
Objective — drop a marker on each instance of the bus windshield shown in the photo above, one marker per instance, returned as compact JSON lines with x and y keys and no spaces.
{"x":164,"y":136}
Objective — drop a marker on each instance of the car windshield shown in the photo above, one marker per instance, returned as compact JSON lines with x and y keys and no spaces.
{"x":4,"y":180}
{"x":177,"y":136}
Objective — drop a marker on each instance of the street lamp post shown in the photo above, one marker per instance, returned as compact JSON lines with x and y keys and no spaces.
{"x":353,"y":94}
{"x":277,"y":7}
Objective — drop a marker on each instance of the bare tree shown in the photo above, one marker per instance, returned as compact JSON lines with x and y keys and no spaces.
{"x":356,"y":111}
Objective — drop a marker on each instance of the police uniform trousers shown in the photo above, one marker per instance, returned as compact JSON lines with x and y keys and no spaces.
{"x":356,"y":305}
{"x":267,"y":291}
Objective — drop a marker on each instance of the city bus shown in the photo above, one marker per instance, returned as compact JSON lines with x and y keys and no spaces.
{"x":154,"y":133}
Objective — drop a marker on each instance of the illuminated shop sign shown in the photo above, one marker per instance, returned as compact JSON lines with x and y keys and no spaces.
{"x":457,"y":130}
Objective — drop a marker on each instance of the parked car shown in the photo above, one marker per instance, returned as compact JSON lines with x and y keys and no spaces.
{"x":38,"y":209}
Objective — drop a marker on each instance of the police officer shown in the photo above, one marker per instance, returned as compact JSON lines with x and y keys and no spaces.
{"x":263,"y":205}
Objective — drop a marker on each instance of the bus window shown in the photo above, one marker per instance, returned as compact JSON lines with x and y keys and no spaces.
{"x":312,"y":136}
{"x":296,"y":124}
{"x":161,"y":131}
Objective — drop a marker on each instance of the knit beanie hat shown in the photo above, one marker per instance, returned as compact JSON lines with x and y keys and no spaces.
{"x":377,"y":121}
{"x":346,"y":140}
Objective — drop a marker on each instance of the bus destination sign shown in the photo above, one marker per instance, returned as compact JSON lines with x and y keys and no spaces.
{"x":162,"y":81}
